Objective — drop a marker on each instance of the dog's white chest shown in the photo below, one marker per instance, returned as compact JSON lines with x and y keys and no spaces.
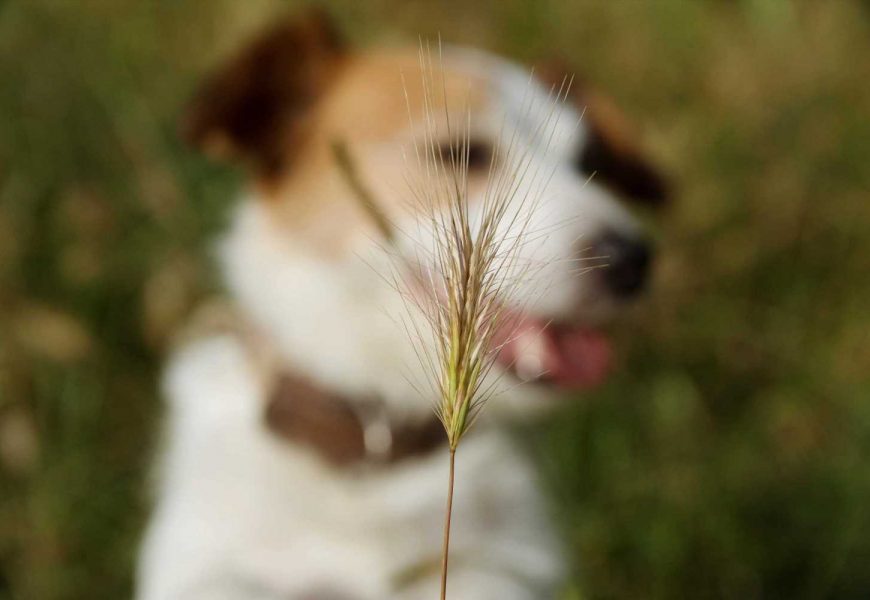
{"x":242,"y":512}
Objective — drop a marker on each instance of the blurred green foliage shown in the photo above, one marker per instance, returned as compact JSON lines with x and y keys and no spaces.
{"x":730,"y":456}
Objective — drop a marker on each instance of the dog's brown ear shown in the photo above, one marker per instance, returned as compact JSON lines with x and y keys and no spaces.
{"x":610,"y":153}
{"x":258,"y":105}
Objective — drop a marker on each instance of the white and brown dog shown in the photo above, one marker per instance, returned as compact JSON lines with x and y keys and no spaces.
{"x":299,"y":463}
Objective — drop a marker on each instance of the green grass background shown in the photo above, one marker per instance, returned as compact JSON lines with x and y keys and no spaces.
{"x":730,"y":456}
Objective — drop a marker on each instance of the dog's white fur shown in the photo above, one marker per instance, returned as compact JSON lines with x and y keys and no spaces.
{"x":242,"y":514}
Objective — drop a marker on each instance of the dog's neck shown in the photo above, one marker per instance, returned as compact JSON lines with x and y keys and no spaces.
{"x":345,"y":433}
{"x":333,"y":321}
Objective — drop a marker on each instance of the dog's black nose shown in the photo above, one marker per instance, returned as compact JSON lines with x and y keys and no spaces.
{"x":627,"y":261}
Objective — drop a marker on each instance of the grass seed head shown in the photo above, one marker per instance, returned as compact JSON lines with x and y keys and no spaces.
{"x":463,"y":282}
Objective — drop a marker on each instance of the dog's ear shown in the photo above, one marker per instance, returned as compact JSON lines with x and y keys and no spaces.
{"x":258,"y":105}
{"x":610,"y":153}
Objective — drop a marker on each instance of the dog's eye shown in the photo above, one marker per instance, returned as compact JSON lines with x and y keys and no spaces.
{"x":479,"y":154}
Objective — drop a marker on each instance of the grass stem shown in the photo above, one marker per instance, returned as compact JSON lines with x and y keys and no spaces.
{"x":448,"y":513}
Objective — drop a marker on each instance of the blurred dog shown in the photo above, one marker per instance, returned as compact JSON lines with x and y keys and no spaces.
{"x":298,"y":462}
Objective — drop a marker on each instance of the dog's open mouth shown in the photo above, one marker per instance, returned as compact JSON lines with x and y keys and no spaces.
{"x":569,"y":356}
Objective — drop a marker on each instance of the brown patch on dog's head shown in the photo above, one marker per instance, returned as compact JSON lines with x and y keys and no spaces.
{"x":258,"y":104}
{"x":366,"y":108}
{"x":611,"y":152}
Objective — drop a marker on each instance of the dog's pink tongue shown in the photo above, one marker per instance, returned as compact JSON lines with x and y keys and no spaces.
{"x":569,"y":357}
{"x":580,"y":358}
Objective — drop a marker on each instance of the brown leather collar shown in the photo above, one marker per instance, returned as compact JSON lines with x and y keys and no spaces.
{"x":341,"y":432}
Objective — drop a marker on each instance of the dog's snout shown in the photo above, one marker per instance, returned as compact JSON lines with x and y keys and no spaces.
{"x":627,"y":262}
